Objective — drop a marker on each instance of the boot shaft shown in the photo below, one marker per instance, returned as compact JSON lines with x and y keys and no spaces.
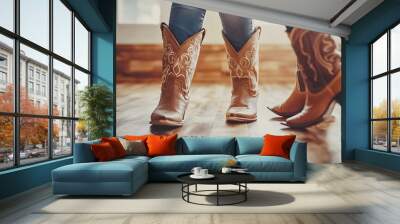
{"x":317,"y":58}
{"x":244,"y":64}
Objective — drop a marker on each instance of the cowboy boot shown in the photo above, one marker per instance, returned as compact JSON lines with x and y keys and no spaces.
{"x":178,"y":66}
{"x":243,"y":68}
{"x":295,"y":102}
{"x":320,"y":68}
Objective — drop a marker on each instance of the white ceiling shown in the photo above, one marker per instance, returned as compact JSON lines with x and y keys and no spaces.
{"x":321,"y":9}
{"x":315,"y":15}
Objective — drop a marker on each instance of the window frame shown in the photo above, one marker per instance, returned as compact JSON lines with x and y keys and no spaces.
{"x":16,"y":115}
{"x":388,"y":74}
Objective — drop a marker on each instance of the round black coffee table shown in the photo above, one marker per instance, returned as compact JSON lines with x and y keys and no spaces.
{"x":238,"y":179}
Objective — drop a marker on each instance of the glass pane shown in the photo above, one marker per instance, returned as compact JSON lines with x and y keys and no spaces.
{"x":379,"y":135}
{"x":34,"y":97}
{"x":81,"y":81}
{"x":395,"y":129}
{"x":33,"y":139}
{"x":7,"y":14}
{"x":62,"y":28}
{"x":62,"y":138}
{"x":395,"y":47}
{"x":81,"y":131}
{"x":379,"y":97}
{"x":395,"y":94}
{"x":6,"y":74}
{"x":62,"y":89}
{"x":35,"y":21}
{"x":81,"y":45}
{"x":6,"y":142}
{"x":379,"y":55}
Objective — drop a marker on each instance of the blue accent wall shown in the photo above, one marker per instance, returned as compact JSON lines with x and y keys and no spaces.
{"x":100,"y":17}
{"x":104,"y":51}
{"x":356,"y":92}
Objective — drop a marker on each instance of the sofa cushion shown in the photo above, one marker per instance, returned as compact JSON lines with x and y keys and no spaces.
{"x":112,"y":171}
{"x":206,"y":145}
{"x":185,"y":163}
{"x":161,"y":145}
{"x":277,"y":145}
{"x":257,"y":163}
{"x":83,"y":152}
{"x":103,"y":152}
{"x":116,"y":145}
{"x":249,"y":145}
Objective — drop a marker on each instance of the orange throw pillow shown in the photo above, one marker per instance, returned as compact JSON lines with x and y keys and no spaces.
{"x":136,"y":137}
{"x":103,"y":152}
{"x":277,"y":145}
{"x":159,"y":145}
{"x":116,"y":145}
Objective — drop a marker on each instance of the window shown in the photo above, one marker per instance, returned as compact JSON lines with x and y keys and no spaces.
{"x":3,"y":78}
{"x":3,"y":73}
{"x":44,"y":91}
{"x":30,"y":72}
{"x":81,"y":81}
{"x":6,"y":73}
{"x":37,"y":75}
{"x":3,"y":61}
{"x":37,"y":89}
{"x":62,"y":32}
{"x":44,"y":125}
{"x":62,"y":137}
{"x":30,"y":88}
{"x":7,"y":14}
{"x":385,"y":94}
{"x":62,"y":74}
{"x":81,"y":45}
{"x":6,"y":142}
{"x":34,"y":21}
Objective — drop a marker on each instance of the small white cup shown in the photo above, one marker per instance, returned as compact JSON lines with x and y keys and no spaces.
{"x":203,"y":172}
{"x":226,"y":170}
{"x":196,"y":171}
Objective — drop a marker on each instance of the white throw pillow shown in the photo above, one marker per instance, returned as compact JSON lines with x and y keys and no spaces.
{"x":135,"y":147}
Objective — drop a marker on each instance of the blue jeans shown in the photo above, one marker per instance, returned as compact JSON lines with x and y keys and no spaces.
{"x":184,"y":21}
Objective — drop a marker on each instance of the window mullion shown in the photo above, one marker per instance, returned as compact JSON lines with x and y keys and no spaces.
{"x":16,"y":84}
{"x":50,"y":81}
{"x":389,"y":106}
{"x":73,"y":82}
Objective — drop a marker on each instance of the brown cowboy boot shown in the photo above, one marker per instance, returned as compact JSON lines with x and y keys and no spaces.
{"x":243,"y":67}
{"x":295,"y":102}
{"x":320,"y":68}
{"x":178,"y":64}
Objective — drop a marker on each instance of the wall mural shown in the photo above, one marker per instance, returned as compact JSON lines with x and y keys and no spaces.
{"x":214,"y":74}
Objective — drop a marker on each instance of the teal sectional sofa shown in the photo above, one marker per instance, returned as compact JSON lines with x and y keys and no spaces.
{"x":125,"y":176}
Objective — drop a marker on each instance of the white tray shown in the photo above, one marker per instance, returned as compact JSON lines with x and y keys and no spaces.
{"x":208,"y":176}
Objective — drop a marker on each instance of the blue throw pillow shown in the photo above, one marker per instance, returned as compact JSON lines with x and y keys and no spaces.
{"x":206,"y":145}
{"x":249,"y":145}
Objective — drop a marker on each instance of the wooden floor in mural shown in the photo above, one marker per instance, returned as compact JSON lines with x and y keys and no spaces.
{"x":205,"y":116}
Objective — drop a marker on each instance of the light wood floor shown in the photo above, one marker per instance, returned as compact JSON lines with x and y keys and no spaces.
{"x":205,"y":116}
{"x":378,"y":189}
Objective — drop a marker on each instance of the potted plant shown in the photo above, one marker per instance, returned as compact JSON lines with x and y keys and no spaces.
{"x":96,"y":103}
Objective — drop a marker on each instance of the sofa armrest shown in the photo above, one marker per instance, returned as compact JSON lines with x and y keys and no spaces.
{"x":83,"y":152}
{"x":298,"y":155}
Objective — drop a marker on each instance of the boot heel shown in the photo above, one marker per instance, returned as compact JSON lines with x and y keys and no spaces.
{"x":330,"y":108}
